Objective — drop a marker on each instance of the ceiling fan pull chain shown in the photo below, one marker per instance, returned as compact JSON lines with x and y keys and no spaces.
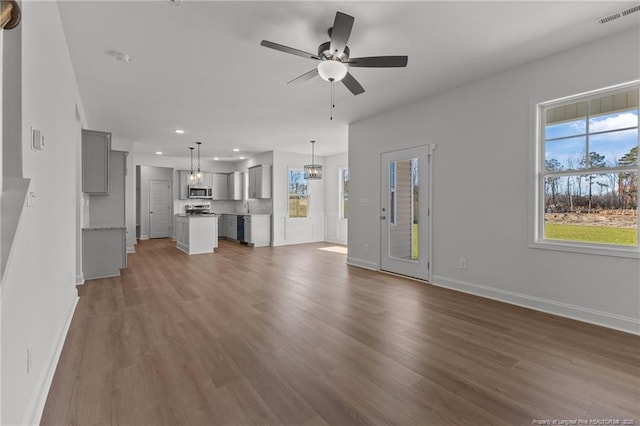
{"x":332,"y":105}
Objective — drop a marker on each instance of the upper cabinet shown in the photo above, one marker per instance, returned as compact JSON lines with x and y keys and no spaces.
{"x":234,"y":186}
{"x":260,"y":182}
{"x":183,"y":184}
{"x":219,"y":184}
{"x":95,"y":162}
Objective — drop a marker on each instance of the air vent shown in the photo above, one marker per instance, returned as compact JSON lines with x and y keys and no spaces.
{"x":174,"y":2}
{"x":619,"y":14}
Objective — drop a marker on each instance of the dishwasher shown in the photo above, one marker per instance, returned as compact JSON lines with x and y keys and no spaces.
{"x":240,"y":228}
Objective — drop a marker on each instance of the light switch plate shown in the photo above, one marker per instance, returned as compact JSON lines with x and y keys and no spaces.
{"x":37,"y":139}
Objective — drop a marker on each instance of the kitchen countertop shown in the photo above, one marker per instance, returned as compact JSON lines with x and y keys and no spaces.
{"x":197,"y":215}
{"x":103,"y":227}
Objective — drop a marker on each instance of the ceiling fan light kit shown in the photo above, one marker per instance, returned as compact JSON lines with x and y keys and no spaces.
{"x":332,"y":70}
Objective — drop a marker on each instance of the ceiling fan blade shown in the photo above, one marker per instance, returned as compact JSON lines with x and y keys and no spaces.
{"x":340,"y":32}
{"x":379,"y":61}
{"x":306,"y":76}
{"x":287,"y":49}
{"x":352,"y":84}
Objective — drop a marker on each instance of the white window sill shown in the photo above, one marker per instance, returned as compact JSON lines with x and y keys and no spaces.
{"x":595,"y":249}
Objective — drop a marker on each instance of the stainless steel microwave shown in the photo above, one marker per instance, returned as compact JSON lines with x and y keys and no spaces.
{"x":200,"y":192}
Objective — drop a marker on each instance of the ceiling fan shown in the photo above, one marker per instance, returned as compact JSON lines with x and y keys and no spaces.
{"x":334,"y":57}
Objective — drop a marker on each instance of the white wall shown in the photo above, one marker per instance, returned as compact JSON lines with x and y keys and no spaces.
{"x":295,"y":230}
{"x":335,"y":228}
{"x":481,"y":186}
{"x":39,"y":294}
{"x":118,"y":144}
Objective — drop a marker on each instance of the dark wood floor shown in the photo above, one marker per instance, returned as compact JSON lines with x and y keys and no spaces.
{"x":291,"y":335}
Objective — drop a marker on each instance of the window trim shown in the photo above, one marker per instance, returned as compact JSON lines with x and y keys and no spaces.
{"x":536,"y":195}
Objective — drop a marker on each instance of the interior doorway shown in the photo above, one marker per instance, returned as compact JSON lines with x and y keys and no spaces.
{"x":159,"y":208}
{"x":405,"y":217}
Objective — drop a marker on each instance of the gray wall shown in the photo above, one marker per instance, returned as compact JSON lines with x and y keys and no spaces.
{"x":482,"y":180}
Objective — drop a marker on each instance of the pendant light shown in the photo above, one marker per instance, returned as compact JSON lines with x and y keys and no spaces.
{"x":191,"y":176}
{"x":199,"y":174}
{"x":313,"y":171}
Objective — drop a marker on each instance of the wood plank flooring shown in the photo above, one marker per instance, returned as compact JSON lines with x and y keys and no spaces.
{"x":291,"y":335}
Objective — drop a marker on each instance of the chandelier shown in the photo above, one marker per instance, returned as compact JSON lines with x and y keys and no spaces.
{"x":313,"y":171}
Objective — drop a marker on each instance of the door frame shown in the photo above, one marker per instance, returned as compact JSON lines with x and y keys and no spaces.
{"x":430,"y":147}
{"x":168,"y":182}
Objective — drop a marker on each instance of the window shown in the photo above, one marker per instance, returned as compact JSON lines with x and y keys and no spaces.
{"x":588,"y":171}
{"x":298,"y":194}
{"x":393,"y":205}
{"x":344,"y":193}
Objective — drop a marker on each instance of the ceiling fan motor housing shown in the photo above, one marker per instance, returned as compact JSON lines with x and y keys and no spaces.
{"x":324,"y":51}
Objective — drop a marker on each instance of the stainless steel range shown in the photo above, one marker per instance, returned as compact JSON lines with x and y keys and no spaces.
{"x":199,"y":208}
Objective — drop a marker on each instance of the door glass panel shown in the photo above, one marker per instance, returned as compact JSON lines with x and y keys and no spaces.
{"x":403,"y":209}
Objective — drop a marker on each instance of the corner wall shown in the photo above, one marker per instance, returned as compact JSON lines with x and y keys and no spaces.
{"x":335,"y":227}
{"x":39,"y":294}
{"x":481,"y":187}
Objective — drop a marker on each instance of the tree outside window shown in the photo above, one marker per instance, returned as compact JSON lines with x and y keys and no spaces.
{"x":589,"y":177}
{"x":298,"y":194}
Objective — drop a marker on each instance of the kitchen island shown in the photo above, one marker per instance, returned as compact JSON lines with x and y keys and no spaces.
{"x":196,"y":233}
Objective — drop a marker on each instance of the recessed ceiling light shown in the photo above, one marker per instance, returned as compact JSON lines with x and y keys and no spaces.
{"x":242,"y":158}
{"x":179,"y":131}
{"x":216,"y":158}
{"x":236,"y":149}
{"x":158,"y":152}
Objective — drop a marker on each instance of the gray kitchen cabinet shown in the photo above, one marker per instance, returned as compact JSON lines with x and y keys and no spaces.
{"x":103,"y":251}
{"x":207,"y":179}
{"x":95,"y":161}
{"x":232,"y":227}
{"x":222,"y":226}
{"x":183,"y":184}
{"x":234,"y":186}
{"x":260,"y":182}
{"x":109,"y":209}
{"x":257,"y":230}
{"x":219,"y":184}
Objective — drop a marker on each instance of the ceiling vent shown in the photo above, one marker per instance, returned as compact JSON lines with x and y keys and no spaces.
{"x":619,"y":14}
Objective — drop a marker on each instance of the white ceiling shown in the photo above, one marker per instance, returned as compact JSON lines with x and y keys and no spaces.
{"x":199,"y":65}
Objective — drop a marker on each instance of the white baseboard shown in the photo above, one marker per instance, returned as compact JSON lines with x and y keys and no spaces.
{"x":336,"y":241}
{"x":362,"y":263}
{"x":80,"y":279}
{"x":131,"y":249}
{"x":144,"y":237}
{"x":36,"y":404}
{"x":604,"y":319}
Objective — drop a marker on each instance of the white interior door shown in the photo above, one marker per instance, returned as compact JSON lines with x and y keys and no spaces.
{"x":159,"y":208}
{"x":404,"y":216}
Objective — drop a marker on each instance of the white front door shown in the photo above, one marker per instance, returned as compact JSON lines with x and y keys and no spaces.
{"x":404,"y":216}
{"x":159,"y":208}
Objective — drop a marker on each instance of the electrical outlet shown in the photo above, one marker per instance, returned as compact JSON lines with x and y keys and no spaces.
{"x":29,"y":353}
{"x":366,"y":247}
{"x":462,"y":263}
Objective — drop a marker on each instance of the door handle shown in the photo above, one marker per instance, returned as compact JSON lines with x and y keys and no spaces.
{"x":383,"y":217}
